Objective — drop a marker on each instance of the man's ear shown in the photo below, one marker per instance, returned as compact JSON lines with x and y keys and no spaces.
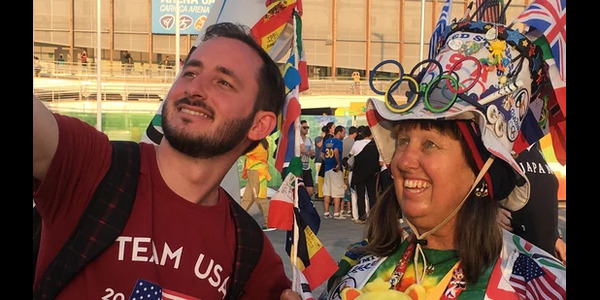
{"x":264,"y":122}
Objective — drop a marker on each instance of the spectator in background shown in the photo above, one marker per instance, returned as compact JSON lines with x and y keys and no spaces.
{"x":356,"y":78}
{"x":126,"y":61}
{"x":327,"y":132}
{"x":347,"y":143}
{"x":37,"y":66}
{"x":307,"y":152}
{"x":365,"y":169}
{"x":333,"y":183}
{"x":318,"y":144}
{"x":256,"y":170}
{"x":167,"y":63}
{"x":384,"y":180}
{"x":84,"y":58}
{"x":59,"y":63}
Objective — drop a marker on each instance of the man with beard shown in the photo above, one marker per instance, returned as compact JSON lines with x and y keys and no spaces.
{"x":180,"y":237}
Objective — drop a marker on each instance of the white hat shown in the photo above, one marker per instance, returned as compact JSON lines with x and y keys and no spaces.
{"x":489,"y":74}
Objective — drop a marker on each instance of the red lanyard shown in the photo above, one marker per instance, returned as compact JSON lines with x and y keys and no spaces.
{"x":398,"y":273}
{"x":454,"y":287}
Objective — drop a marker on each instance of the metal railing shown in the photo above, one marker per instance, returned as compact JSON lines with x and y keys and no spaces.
{"x":139,"y":82}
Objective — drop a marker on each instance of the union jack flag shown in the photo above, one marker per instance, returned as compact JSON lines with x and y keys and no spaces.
{"x":550,"y":17}
{"x":531,"y":281}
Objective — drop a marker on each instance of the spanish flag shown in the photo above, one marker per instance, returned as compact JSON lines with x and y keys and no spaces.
{"x":268,"y":29}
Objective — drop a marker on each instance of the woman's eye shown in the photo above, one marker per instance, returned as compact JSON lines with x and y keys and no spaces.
{"x":402,"y":141}
{"x":429,"y":144}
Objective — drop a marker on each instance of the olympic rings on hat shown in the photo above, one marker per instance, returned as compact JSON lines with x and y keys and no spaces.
{"x":379,"y":65}
{"x":412,"y":94}
{"x":456,"y":65}
{"x":421,"y":75}
{"x":433,"y":85}
{"x":439,"y":89}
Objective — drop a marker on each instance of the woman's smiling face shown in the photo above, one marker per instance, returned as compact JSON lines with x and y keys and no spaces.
{"x":431,"y":175}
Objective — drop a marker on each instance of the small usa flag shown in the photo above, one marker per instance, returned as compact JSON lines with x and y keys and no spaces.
{"x":532,"y":282}
{"x":147,"y":290}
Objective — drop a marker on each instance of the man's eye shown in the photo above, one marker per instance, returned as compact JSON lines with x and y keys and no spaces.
{"x":225,"y":83}
{"x":189,"y":74}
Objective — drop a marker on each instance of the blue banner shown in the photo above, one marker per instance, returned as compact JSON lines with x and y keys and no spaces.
{"x":192,"y":15}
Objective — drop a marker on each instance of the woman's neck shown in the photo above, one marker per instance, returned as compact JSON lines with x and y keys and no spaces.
{"x":440,"y":239}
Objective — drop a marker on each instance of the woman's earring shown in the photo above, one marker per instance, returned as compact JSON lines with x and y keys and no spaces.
{"x":482,"y":190}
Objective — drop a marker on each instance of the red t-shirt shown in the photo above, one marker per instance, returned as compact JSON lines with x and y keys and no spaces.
{"x":183,"y":247}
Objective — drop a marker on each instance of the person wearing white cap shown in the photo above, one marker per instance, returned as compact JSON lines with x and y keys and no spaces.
{"x":448,"y":146}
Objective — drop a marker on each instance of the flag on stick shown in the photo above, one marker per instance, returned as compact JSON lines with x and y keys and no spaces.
{"x":281,"y":207}
{"x":312,"y":258}
{"x":289,"y":141}
{"x":439,"y":29}
{"x":268,"y":29}
{"x":302,"y":66}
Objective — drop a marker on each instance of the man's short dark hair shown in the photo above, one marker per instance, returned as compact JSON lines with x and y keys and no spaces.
{"x":352,"y":130}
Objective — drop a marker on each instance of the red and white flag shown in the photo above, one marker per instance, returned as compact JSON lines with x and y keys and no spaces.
{"x":281,"y":207}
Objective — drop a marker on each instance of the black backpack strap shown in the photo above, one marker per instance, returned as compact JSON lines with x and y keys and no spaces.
{"x":249,"y":246}
{"x":99,"y":226}
{"x":37,"y":233}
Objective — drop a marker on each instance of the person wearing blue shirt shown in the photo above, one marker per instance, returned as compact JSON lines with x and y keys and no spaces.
{"x":333,"y":185}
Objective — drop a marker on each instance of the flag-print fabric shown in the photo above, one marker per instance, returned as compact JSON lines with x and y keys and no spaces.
{"x":268,"y":29}
{"x":550,"y":17}
{"x":312,"y":258}
{"x":439,"y":29}
{"x":281,"y":206}
{"x":489,"y":11}
{"x":147,"y":290}
{"x":532,"y":282}
{"x":525,"y":271}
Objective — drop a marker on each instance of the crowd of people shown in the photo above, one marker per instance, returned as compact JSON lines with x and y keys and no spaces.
{"x":450,"y":212}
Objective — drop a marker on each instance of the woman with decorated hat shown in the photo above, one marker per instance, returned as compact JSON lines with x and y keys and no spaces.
{"x":448,"y":145}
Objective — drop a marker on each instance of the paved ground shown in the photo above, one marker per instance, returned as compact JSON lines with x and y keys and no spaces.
{"x":336,"y":235}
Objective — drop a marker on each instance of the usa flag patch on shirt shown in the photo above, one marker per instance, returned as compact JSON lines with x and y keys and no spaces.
{"x":147,"y":290}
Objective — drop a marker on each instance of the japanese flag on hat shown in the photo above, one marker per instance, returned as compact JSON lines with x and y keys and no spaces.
{"x":483,"y":72}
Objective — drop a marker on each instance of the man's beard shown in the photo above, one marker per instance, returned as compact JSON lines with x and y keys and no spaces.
{"x":206,"y":145}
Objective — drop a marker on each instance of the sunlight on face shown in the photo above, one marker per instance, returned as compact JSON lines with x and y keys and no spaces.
{"x":210,"y":107}
{"x":431,"y":175}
